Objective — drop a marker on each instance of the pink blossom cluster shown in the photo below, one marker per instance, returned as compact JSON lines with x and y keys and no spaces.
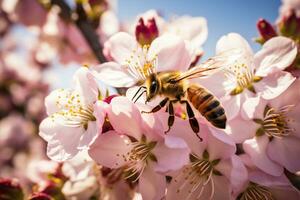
{"x":250,"y":159}
{"x":107,"y":145}
{"x":56,"y":31}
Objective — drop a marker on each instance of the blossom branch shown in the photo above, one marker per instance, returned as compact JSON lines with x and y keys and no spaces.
{"x":84,"y":25}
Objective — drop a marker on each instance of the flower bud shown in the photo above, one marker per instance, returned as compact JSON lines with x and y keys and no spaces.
{"x":265,"y":30}
{"x":146,"y":33}
{"x":289,"y":25}
{"x":10,"y":189}
{"x":40,"y":196}
{"x":53,"y":189}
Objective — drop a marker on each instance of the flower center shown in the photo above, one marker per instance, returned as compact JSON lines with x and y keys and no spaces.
{"x":72,"y":112}
{"x":255,"y":191}
{"x":275,"y":123}
{"x":139,"y":65}
{"x":137,"y":158}
{"x":243,"y":78}
{"x":197,"y":175}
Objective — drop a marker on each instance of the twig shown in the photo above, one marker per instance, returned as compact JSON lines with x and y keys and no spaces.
{"x":85,"y":27}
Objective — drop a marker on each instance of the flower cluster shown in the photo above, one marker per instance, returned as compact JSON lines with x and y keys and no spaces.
{"x":249,"y":159}
{"x":169,"y":126}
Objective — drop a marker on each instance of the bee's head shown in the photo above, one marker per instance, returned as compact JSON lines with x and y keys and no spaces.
{"x":152,"y":85}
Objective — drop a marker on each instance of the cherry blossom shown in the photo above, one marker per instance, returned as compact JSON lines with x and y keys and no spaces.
{"x":138,"y":145}
{"x":134,"y":62}
{"x":73,"y":123}
{"x":273,"y":146}
{"x":211,"y":170}
{"x":262,"y":185}
{"x":260,"y":74}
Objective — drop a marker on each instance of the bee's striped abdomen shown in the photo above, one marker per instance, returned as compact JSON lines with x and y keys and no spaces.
{"x":208,"y":105}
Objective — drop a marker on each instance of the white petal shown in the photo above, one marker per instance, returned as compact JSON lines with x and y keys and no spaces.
{"x":277,"y":54}
{"x":57,"y":100}
{"x":86,"y":86}
{"x":121,"y":46}
{"x":113,"y":74}
{"x":233,"y":41}
{"x":171,"y":53}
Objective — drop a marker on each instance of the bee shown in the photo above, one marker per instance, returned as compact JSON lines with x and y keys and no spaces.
{"x":175,"y":87}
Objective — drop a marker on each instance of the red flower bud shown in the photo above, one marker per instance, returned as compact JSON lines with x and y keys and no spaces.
{"x":265,"y":29}
{"x":40,"y":196}
{"x":146,"y":33}
{"x":289,"y":25}
{"x":10,"y":189}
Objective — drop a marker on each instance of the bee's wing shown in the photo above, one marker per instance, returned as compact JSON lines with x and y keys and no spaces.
{"x":212,"y":65}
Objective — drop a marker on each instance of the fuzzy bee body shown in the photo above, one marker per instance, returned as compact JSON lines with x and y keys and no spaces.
{"x":182,"y":91}
{"x":207,"y":104}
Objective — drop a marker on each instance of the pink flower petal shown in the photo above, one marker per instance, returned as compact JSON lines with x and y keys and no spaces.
{"x":125,"y":117}
{"x":86,"y":85}
{"x":172,"y":154}
{"x":222,"y":188}
{"x":63,"y":144}
{"x":253,"y":107}
{"x":214,"y":83}
{"x":113,"y":74}
{"x":287,"y":192}
{"x":89,"y":136}
{"x":235,"y":171}
{"x":268,"y":180}
{"x":56,"y":99}
{"x":219,"y":144}
{"x":182,"y":129}
{"x":274,"y":84}
{"x":240,"y":130}
{"x":294,"y":123}
{"x":152,"y":185}
{"x":256,"y":148}
{"x":276,"y":54}
{"x":193,"y":29}
{"x":286,"y":152}
{"x":279,"y":186}
{"x":108,"y":149}
{"x":232,"y":41}
{"x":120,"y":46}
{"x":232,"y":105}
{"x":291,"y":96}
{"x":171,"y":52}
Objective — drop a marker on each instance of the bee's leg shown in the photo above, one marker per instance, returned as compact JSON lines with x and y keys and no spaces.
{"x":193,"y":121}
{"x":171,"y":117}
{"x":159,"y":106}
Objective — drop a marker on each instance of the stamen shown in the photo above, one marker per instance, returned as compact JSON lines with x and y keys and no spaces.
{"x":275,"y":123}
{"x":255,"y":191}
{"x":139,"y":65}
{"x":243,"y":77}
{"x":137,"y":159}
{"x":73,"y":113}
{"x":195,"y":176}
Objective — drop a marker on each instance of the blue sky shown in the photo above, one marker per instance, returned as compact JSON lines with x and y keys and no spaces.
{"x":223,"y":16}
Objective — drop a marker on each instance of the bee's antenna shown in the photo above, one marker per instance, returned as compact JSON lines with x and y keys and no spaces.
{"x":140,"y":96}
{"x":141,"y":87}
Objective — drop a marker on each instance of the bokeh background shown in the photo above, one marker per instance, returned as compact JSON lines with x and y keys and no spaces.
{"x":25,"y":81}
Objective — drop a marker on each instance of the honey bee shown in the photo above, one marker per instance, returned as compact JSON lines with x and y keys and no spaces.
{"x":175,"y":87}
